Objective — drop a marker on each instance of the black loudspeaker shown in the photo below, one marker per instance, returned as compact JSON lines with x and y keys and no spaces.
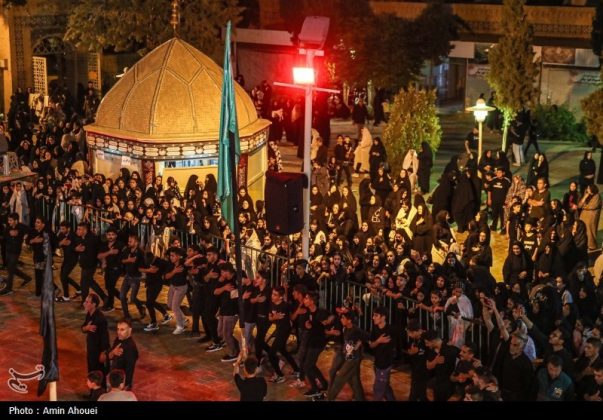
{"x":284,"y":200}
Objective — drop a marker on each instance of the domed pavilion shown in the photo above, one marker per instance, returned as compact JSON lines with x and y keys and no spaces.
{"x":163,"y":117}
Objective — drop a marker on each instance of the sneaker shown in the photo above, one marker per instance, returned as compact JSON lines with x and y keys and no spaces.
{"x":194,"y":334}
{"x":204,"y":339}
{"x":213,"y":348}
{"x":78,"y":292}
{"x":229,"y":358}
{"x":179,"y":330}
{"x":319,"y":397}
{"x":297,"y":384}
{"x":6,"y":292}
{"x":277,"y":379}
{"x":151,"y":327}
{"x":296,"y":374}
{"x":166,"y":319}
{"x":107,"y":309}
{"x":311,"y":393}
{"x":62,"y":299}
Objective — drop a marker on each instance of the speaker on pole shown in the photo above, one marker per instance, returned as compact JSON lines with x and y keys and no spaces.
{"x":284,"y":202}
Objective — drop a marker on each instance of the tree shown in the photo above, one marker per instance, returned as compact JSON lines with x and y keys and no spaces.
{"x":434,"y":30}
{"x":142,"y":25}
{"x":412,"y":120}
{"x":512,"y":68}
{"x":592,"y":108}
{"x":386,"y":49}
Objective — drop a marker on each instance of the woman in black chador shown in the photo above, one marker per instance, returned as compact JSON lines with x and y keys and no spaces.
{"x":463,"y":202}
{"x":425,"y":163}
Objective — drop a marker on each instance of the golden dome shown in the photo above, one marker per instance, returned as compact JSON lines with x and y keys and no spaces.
{"x":171,"y":96}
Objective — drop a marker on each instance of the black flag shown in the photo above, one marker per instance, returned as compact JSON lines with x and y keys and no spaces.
{"x":50,"y":358}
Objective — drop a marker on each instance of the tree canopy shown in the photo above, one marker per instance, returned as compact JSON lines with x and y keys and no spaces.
{"x":413,"y":119}
{"x":512,"y":68}
{"x":142,"y":25}
{"x":384,"y":48}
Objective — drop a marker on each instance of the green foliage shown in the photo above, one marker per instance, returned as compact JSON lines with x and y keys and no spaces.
{"x":512,"y":69}
{"x":142,"y":25}
{"x":386,"y":49}
{"x":592,"y":107}
{"x":412,"y":120}
{"x":559,"y":123}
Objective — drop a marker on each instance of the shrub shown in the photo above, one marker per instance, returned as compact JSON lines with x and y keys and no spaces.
{"x":412,"y":120}
{"x":557,"y":122}
{"x":592,"y":106}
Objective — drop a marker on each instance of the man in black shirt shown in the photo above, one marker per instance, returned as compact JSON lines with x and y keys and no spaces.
{"x":280,"y":316}
{"x":471,"y":142}
{"x":440,"y":360}
{"x":589,"y":358}
{"x":260,"y":300}
{"x":462,"y":375}
{"x":517,"y":373}
{"x":298,"y":318}
{"x":251,"y":387}
{"x":14,"y":234}
{"x":95,"y":382}
{"x":594,"y":390}
{"x":349,"y":371}
{"x":315,"y":325}
{"x":132,"y":259}
{"x":227,"y":292}
{"x":97,"y":334}
{"x":124,"y":353}
{"x":497,"y":193}
{"x":383,"y":350}
{"x":154,"y":271}
{"x":194,"y":261}
{"x":416,"y":354}
{"x":109,"y":255}
{"x":66,"y":240}
{"x":210,"y":275}
{"x":529,"y":237}
{"x":300,"y":276}
{"x":87,"y":248}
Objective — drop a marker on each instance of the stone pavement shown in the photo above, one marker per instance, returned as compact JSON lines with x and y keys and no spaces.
{"x":170,"y":368}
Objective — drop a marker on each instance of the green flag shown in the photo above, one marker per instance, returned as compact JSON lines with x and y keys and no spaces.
{"x":229,"y":138}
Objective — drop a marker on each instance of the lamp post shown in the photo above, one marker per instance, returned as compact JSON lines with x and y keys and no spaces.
{"x":480,"y":112}
{"x":305,"y":78}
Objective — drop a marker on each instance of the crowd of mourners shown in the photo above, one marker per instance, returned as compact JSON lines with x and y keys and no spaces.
{"x":425,"y":291}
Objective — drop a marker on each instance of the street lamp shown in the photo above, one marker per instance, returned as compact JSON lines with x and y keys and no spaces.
{"x":480,"y":112}
{"x":312,"y":38}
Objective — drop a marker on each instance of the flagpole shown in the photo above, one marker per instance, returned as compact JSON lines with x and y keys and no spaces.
{"x":235,"y":210}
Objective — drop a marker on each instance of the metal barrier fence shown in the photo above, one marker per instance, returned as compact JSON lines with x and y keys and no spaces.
{"x":333,"y":294}
{"x":158,"y":240}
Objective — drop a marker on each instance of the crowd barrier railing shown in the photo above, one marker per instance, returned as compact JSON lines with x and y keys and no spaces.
{"x":332,"y":293}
